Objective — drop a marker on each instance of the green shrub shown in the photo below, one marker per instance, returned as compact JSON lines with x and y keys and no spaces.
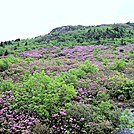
{"x":95,"y":51}
{"x":58,"y":62}
{"x":102,"y":95}
{"x":35,"y":67}
{"x":128,"y":89}
{"x":115,"y":53}
{"x":88,"y":67}
{"x":99,"y":58}
{"x":125,"y":121}
{"x":41,"y":129}
{"x":131,"y":53}
{"x":77,"y":72}
{"x":81,"y":118}
{"x":105,"y":61}
{"x":6,"y":85}
{"x":5,"y":62}
{"x":58,"y":50}
{"x":118,"y":64}
{"x":68,"y":78}
{"x":2,"y":51}
{"x":121,"y":87}
{"x":43,"y":94}
{"x":29,"y":59}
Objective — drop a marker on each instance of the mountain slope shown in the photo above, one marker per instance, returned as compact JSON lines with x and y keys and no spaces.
{"x":110,"y":34}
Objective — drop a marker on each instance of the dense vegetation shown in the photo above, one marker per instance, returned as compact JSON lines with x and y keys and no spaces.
{"x":76,"y":79}
{"x":116,"y":34}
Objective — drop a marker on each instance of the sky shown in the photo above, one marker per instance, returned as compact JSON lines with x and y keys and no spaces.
{"x":30,"y":18}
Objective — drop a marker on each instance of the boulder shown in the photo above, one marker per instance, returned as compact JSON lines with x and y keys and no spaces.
{"x":125,"y":131}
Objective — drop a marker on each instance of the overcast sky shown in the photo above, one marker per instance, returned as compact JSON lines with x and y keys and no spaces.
{"x":30,"y":18}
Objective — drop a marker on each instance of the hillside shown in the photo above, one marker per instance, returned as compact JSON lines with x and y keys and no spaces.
{"x":75,"y":79}
{"x":112,"y":34}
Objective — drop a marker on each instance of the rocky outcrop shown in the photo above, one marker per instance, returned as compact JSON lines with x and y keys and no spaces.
{"x":125,"y":131}
{"x":67,"y":28}
{"x":62,"y":29}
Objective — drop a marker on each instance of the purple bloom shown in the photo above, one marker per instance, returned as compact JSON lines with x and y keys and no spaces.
{"x":82,"y":119}
{"x":55,"y":115}
{"x":62,"y":112}
{"x":54,"y":126}
{"x":30,"y":123}
{"x":91,"y":123}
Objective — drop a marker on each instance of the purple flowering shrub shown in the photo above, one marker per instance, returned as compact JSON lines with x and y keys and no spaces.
{"x":84,"y":118}
{"x":120,"y":87}
{"x":13,"y":120}
{"x":73,"y":93}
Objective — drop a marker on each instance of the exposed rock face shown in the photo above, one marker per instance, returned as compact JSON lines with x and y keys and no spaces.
{"x":67,"y":28}
{"x":125,"y":131}
{"x":62,"y":29}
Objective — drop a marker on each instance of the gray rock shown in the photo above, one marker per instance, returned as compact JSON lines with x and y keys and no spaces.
{"x":125,"y":131}
{"x":62,"y":29}
{"x":131,"y":111}
{"x":67,"y":28}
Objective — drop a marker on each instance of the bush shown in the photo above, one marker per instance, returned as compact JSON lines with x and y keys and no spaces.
{"x":6,"y":85}
{"x":5,"y":62}
{"x":88,"y":67}
{"x":41,"y":129}
{"x":68,"y":78}
{"x":118,"y":64}
{"x":2,"y":51}
{"x":131,"y":53}
{"x":105,"y":61}
{"x":43,"y":94}
{"x":80,"y":118}
{"x":125,"y":121}
{"x":95,"y":51}
{"x":120,"y":87}
{"x":29,"y":59}
{"x":14,"y":121}
{"x":77,"y":72}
